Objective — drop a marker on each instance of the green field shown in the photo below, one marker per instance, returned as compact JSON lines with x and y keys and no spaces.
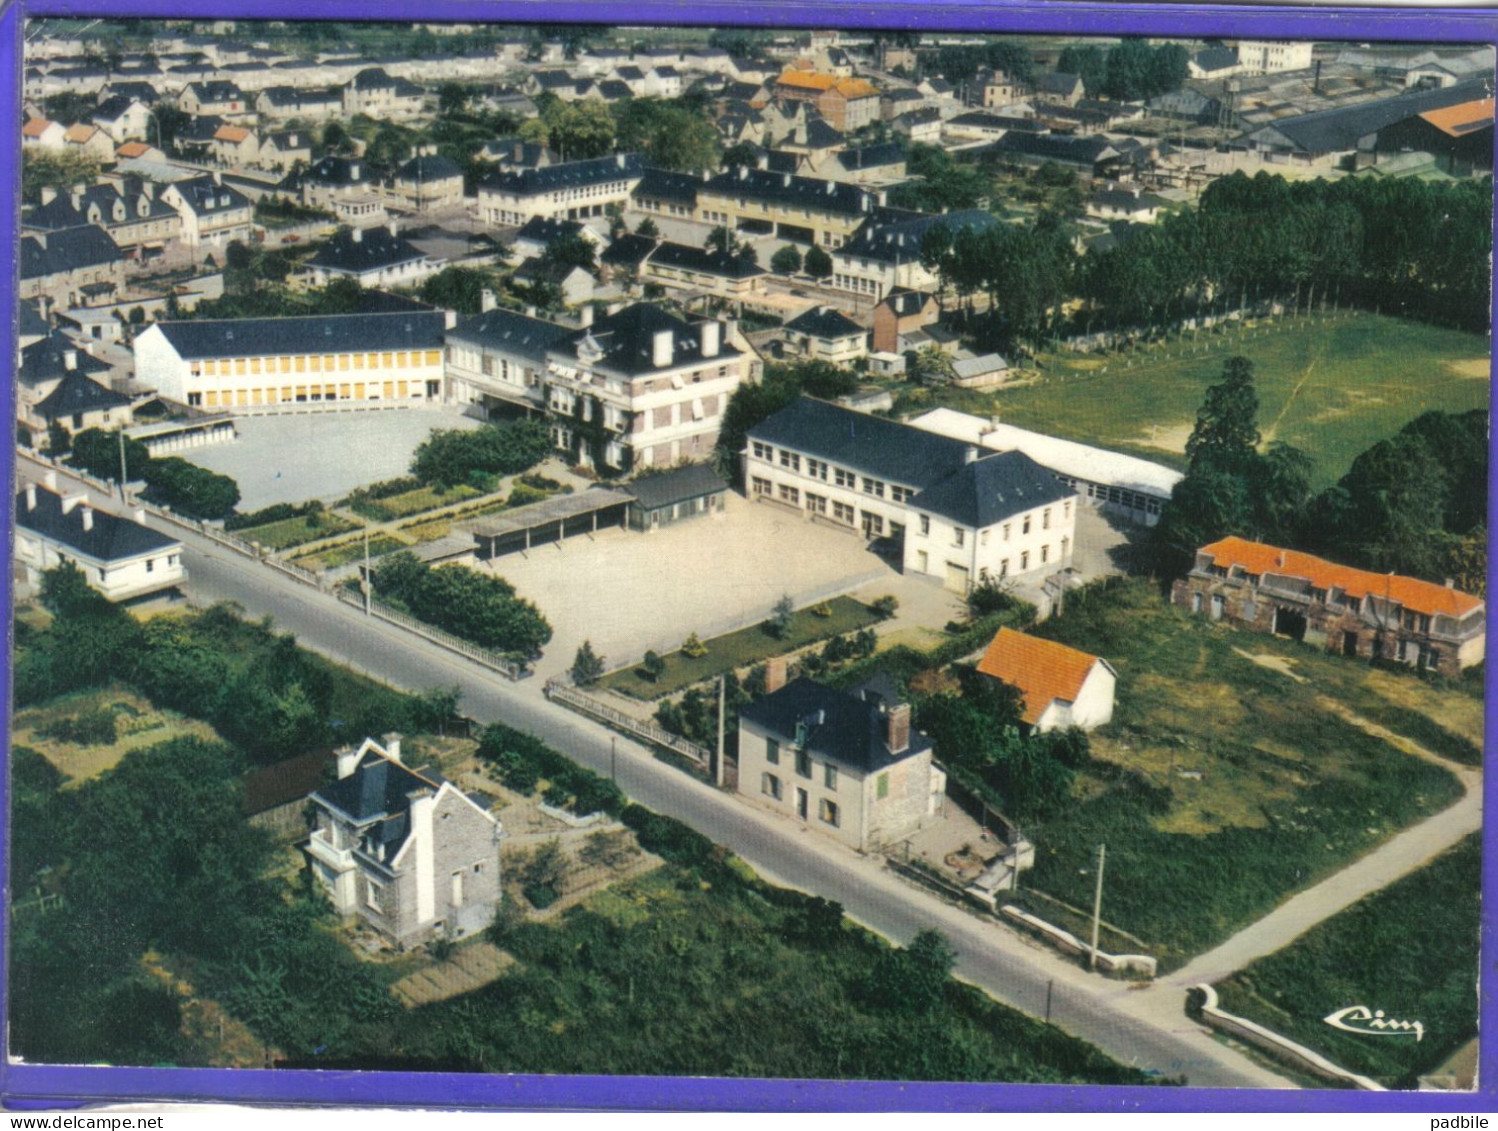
{"x":1410,"y":950}
{"x":1228,"y":778}
{"x":1332,"y":387}
{"x":413,"y":502}
{"x":740,"y":649}
{"x":294,"y":531}
{"x":349,"y":552}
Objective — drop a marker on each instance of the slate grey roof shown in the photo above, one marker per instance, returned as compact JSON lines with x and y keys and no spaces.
{"x":287,"y":140}
{"x":46,"y":360}
{"x":546,"y":231}
{"x":629,"y":73}
{"x":113,"y":108}
{"x":820,"y":134}
{"x":203,"y":195}
{"x":628,"y":251}
{"x":894,"y":236}
{"x":876,"y":445}
{"x":844,"y":727}
{"x":905,"y":302}
{"x":340,"y":171}
{"x":326,"y":333}
{"x":511,"y":332}
{"x":824,"y":322}
{"x":537,"y":270}
{"x":379,"y":791}
{"x":872,"y":156}
{"x":1216,"y":59}
{"x":786,"y":189}
{"x":626,"y":340}
{"x":676,"y":486}
{"x":76,"y":393}
{"x":31,"y":324}
{"x":112,"y":539}
{"x":60,"y":212}
{"x":216,"y":91}
{"x":1072,"y":150}
{"x":131,"y":88}
{"x":376,"y":78}
{"x":1331,"y":131}
{"x":613,"y":90}
{"x":663,"y":184}
{"x":991,"y":489}
{"x":1056,"y":82}
{"x":568,"y":175}
{"x":357,"y":251}
{"x":704,"y":262}
{"x":68,"y":249}
{"x":429,"y":167}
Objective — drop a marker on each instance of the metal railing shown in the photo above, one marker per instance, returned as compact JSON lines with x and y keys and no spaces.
{"x":578,"y":700}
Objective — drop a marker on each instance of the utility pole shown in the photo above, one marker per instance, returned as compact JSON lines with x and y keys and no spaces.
{"x":1049,"y":986}
{"x":121,"y":435}
{"x":613,"y":759}
{"x":364,"y":583}
{"x":718,"y":771}
{"x":1097,"y":904}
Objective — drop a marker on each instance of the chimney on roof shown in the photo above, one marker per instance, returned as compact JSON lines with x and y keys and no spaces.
{"x":619,"y":160}
{"x":70,"y":359}
{"x":1280,"y":561}
{"x":348,"y":761}
{"x":395,"y":227}
{"x":970,"y":454}
{"x":518,"y":154}
{"x":712,"y":339}
{"x":393,"y":746}
{"x":897,"y":728}
{"x":49,"y":479}
{"x":75,"y":198}
{"x":49,"y":194}
{"x":88,"y":516}
{"x":353,"y":171}
{"x":785,"y":180}
{"x":662,"y":348}
{"x":357,"y":235}
{"x":218,"y":178}
{"x":71,"y":501}
{"x":1450,"y":583}
{"x":31,"y":496}
{"x":774,"y":674}
{"x":487,"y":300}
{"x":585,"y":316}
{"x":530,"y":311}
{"x":449,"y":319}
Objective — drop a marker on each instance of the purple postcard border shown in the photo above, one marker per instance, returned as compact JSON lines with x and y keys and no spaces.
{"x":24,"y":1086}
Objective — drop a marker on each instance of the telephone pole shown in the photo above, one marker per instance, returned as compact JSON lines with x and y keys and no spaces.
{"x":1097,"y":904}
{"x":123,"y":475}
{"x":718,"y":770}
{"x":364,"y":583}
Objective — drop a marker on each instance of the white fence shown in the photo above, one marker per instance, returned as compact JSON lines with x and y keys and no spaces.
{"x":580,"y":701}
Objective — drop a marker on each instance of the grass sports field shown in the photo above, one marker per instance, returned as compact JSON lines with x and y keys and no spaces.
{"x":1331,"y":385}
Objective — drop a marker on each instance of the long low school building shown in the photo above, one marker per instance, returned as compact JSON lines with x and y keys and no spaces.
{"x":248,"y":365}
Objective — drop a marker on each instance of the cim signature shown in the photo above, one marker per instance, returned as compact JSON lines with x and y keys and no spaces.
{"x":1372,"y":1023}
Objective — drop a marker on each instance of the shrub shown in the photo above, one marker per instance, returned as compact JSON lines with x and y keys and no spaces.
{"x":668,"y":838}
{"x":521,"y":494}
{"x":694,"y":648}
{"x":654,"y":664}
{"x":91,"y":728}
{"x":780,"y":619}
{"x":885,"y":606}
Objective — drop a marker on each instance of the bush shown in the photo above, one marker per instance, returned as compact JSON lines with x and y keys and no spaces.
{"x":92,"y":728}
{"x":521,"y":494}
{"x":523,"y":761}
{"x":191,"y":489}
{"x":276,"y":512}
{"x":541,"y":482}
{"x":669,"y":839}
{"x":450,"y":456}
{"x":885,"y":606}
{"x":694,"y":648}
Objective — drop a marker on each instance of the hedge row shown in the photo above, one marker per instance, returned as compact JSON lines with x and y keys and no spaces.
{"x":523,"y":761}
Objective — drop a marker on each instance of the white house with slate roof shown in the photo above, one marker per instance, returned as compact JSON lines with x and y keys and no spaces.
{"x":119,"y":557}
{"x":430,"y":180}
{"x":885,"y":251}
{"x":212,"y":212}
{"x":572,"y":190}
{"x":261,"y":364}
{"x":963,"y":514}
{"x":824,"y":333}
{"x":402,"y":849}
{"x":496,"y":361}
{"x":376,"y":258}
{"x":846,"y":763}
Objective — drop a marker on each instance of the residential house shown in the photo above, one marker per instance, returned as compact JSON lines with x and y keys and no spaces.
{"x":217,"y":98}
{"x":137,"y":89}
{"x":538,"y":233}
{"x":683,"y":267}
{"x":1353,"y":612}
{"x":283,"y":149}
{"x":80,"y":402}
{"x":1059,"y":87}
{"x":642,"y":388}
{"x":333,"y":360}
{"x":402,"y":850}
{"x":803,"y":209}
{"x":78,"y":266}
{"x":1131,"y":204}
{"x":137,"y":219}
{"x":901,"y":312}
{"x":868,"y":164}
{"x":43,"y":363}
{"x":623,"y":262}
{"x":996,"y":89}
{"x":572,"y":190}
{"x":213,"y":213}
{"x":884,"y":254}
{"x":572,"y":283}
{"x":347,"y":187}
{"x":824,"y":333}
{"x":1119,"y":485}
{"x":1059,"y":687}
{"x":235,"y":145}
{"x":1270,"y":56}
{"x":919,"y":126}
{"x":375,"y":258}
{"x":429,"y":180}
{"x":121,"y":558}
{"x":893,"y":103}
{"x":282,"y":103}
{"x":496,"y":361}
{"x":847,"y":763}
{"x":122,"y":118}
{"x":42,"y":133}
{"x":375,"y":93}
{"x":140,"y":151}
{"x":963,"y":515}
{"x":847,"y":104}
{"x":90,"y":141}
{"x":663,"y":82}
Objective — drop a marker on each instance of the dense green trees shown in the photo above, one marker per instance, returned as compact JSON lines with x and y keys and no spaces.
{"x":939,"y":182}
{"x":462,"y":601}
{"x":190,"y":489}
{"x":786,"y":260}
{"x":450,"y":456}
{"x":576,"y":130}
{"x":1129,"y":71}
{"x":671,"y":134}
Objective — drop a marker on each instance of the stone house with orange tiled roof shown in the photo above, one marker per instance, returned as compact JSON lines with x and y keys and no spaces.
{"x":846,"y":103}
{"x":1061,"y":687}
{"x":42,"y":133}
{"x":89,"y":140}
{"x":1339,"y":608}
{"x":235,"y":145}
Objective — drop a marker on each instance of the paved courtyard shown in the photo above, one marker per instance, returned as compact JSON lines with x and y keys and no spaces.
{"x":292,"y":458}
{"x":629,"y":592}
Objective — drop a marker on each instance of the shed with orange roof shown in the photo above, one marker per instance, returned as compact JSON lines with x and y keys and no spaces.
{"x":1061,"y":686}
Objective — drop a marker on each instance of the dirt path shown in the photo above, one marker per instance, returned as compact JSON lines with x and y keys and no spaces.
{"x":1273,"y":429}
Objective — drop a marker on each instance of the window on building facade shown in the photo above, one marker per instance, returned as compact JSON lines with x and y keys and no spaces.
{"x":372,"y":894}
{"x":769,"y":785}
{"x":1045,"y":519}
{"x":845,"y":479}
{"x":1025,"y":529}
{"x":761,"y":486}
{"x":803,"y":763}
{"x":1045,"y":554}
{"x":828,"y":812}
{"x":959,"y":536}
{"x":816,"y":468}
{"x":925,"y":524}
{"x":789,"y":494}
{"x":1007,"y":525}
{"x":842,"y":512}
{"x":772,"y":752}
{"x":1024,"y":561}
{"x":817,"y":504}
{"x":829,"y":776}
{"x":790,"y":460}
{"x":873,"y":487}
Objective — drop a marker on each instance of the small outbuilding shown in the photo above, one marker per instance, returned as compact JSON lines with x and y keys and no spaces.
{"x":673,"y":496}
{"x":1062,"y":687}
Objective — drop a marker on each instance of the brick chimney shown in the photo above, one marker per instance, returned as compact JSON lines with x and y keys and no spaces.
{"x":897,"y":728}
{"x":712,"y":339}
{"x":70,"y":359}
{"x":662,"y":348}
{"x":357,"y":235}
{"x":774,"y":674}
{"x":348,"y":761}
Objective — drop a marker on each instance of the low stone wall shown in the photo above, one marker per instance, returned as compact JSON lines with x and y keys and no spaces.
{"x":572,"y":819}
{"x":1280,"y":1047}
{"x":1068,"y":943}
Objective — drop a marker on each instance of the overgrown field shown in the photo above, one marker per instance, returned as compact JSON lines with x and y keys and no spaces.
{"x":1410,"y":950}
{"x":1223,"y":785}
{"x":295,"y":531}
{"x":1332,"y":387}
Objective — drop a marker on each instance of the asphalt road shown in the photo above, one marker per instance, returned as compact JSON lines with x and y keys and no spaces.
{"x":1103,"y":1012}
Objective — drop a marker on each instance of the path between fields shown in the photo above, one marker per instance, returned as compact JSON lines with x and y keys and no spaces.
{"x":1269,"y":435}
{"x":1395,"y":858}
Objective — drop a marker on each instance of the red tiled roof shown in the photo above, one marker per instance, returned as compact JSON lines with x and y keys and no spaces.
{"x":1043,"y":670}
{"x":1462,"y":118}
{"x":35,"y":127}
{"x":133,"y":149}
{"x":1410,"y":592}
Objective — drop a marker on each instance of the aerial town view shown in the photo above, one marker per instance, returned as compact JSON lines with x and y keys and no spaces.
{"x":736,"y":552}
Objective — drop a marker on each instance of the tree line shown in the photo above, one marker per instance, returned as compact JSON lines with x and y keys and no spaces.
{"x":194,"y":491}
{"x":1128,"y":72}
{"x":469,"y":604}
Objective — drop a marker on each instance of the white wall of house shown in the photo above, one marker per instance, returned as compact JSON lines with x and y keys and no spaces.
{"x":118,"y":580}
{"x":1033,"y":543}
{"x":1093,"y":706}
{"x":824,"y":490}
{"x":500,"y":206}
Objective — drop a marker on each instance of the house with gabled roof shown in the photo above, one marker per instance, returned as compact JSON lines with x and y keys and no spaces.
{"x":89,"y":140}
{"x":45,"y":361}
{"x":374,"y":92}
{"x":78,"y":266}
{"x":847,"y":763}
{"x":283,"y":149}
{"x":122,"y":558}
{"x":1339,"y":608}
{"x":402,"y":850}
{"x":122,"y":117}
{"x":884,"y":254}
{"x":429,"y":180}
{"x":1059,"y":687}
{"x":42,"y":133}
{"x":80,"y":402}
{"x":570,"y":190}
{"x":373,"y":257}
{"x":212,"y":212}
{"x":235,"y":145}
{"x":496,"y":361}
{"x":130,"y":210}
{"x":224,"y":99}
{"x":824,"y":333}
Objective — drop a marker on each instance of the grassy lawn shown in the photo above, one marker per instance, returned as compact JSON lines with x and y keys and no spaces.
{"x":413,"y":502}
{"x":742,"y":648}
{"x":349,"y":552}
{"x":1410,"y":950}
{"x":1223,"y":785}
{"x":1331,"y":388}
{"x":294,"y":531}
{"x":137,"y":724}
{"x":671,"y":973}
